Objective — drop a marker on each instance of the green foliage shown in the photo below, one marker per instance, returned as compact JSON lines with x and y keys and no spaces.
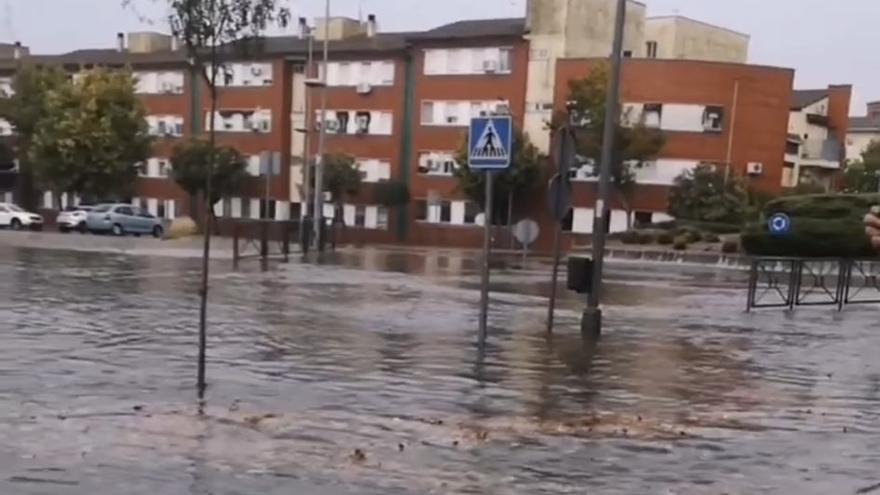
{"x":524,"y":175}
{"x":341,"y":176}
{"x":24,"y":109}
{"x":730,"y":247}
{"x":391,"y":193}
{"x":645,"y":238}
{"x":91,"y":136}
{"x":821,"y":225}
{"x":629,"y":237}
{"x":706,"y":195}
{"x":680,"y":243}
{"x":665,"y":239}
{"x":711,"y":238}
{"x":634,"y":144}
{"x":863,"y":176}
{"x":190,"y":165}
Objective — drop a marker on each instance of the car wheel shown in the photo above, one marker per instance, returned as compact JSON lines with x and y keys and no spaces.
{"x":15,"y":224}
{"x":117,"y":230}
{"x":158,"y":231}
{"x":82,"y":228}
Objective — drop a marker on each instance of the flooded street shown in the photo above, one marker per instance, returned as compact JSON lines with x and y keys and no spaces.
{"x":363,"y":376}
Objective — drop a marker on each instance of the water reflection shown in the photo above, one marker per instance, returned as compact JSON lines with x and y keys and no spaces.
{"x":308,"y":363}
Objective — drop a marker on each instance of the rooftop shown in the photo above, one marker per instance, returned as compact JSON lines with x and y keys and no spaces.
{"x":802,"y":98}
{"x":864,"y":124}
{"x":695,"y":21}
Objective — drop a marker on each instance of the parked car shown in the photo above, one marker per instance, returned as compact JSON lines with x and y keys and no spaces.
{"x":73,"y":218}
{"x":17,"y":218}
{"x":120,"y":219}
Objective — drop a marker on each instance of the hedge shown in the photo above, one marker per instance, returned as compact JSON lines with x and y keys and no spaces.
{"x":714,"y":227}
{"x":824,"y":225}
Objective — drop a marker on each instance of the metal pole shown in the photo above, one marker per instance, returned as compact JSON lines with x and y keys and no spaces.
{"x":487,"y":252}
{"x":593,"y":315}
{"x":557,"y":248}
{"x":307,"y":153}
{"x":270,"y":167}
{"x":319,"y":165}
{"x":729,"y":156}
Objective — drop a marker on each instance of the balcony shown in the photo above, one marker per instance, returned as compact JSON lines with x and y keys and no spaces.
{"x":821,"y":153}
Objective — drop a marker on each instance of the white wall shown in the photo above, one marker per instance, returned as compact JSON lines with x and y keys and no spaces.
{"x":374,"y":170}
{"x":682,"y":38}
{"x":482,"y":60}
{"x":675,"y":117}
{"x":354,"y":73}
{"x":437,"y":163}
{"x":456,"y":113}
{"x":347,"y":121}
{"x":856,"y":143}
{"x":156,"y":168}
{"x":165,"y":125}
{"x":244,"y":74}
{"x":258,"y":121}
{"x":159,"y":82}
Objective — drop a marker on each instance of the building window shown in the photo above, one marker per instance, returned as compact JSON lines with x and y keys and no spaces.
{"x":257,"y":121}
{"x":627,"y":54}
{"x":471,"y":210}
{"x":427,"y":112}
{"x":643,"y":218}
{"x":360,"y":216}
{"x":165,"y":125}
{"x":371,"y":73}
{"x":374,"y":170}
{"x":168,"y":82}
{"x":653,"y":115}
{"x":713,"y":118}
{"x":244,"y":74}
{"x":445,"y":211}
{"x":459,"y":113}
{"x":651,"y":49}
{"x":357,"y":122}
{"x":382,"y":218}
{"x":438,"y":164}
{"x":568,"y":221}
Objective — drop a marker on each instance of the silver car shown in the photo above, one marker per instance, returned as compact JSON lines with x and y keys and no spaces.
{"x":120,"y":219}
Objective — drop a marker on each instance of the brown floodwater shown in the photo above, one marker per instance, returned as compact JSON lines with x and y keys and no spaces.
{"x":362,"y":375}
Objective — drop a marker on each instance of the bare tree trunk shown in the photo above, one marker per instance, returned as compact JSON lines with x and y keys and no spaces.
{"x":206,"y":253}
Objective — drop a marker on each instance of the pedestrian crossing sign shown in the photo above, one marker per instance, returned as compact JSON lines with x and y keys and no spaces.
{"x":489,"y":143}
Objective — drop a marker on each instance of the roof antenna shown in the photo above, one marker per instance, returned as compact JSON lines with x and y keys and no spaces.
{"x":361,"y":11}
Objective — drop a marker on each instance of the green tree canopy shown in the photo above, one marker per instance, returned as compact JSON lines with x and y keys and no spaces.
{"x":190,"y":165}
{"x":91,"y":137}
{"x":341,"y":176}
{"x":634,"y":142}
{"x":24,"y":108}
{"x":524,"y":175}
{"x":863,"y":175}
{"x":705,"y":194}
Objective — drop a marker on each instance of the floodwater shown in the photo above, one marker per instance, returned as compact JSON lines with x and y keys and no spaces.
{"x":363,"y":376}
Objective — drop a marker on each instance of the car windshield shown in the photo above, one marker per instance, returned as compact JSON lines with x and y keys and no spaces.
{"x":16,"y":208}
{"x":101,"y":208}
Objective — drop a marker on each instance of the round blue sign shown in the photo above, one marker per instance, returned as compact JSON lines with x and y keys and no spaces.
{"x":779,"y":224}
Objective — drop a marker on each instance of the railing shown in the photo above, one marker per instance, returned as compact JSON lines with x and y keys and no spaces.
{"x":776,"y":282}
{"x":821,"y":152}
{"x":263,"y":239}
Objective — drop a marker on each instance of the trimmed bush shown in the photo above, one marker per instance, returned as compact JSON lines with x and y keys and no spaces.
{"x":825,"y":225}
{"x":645,"y":238}
{"x":730,"y":247}
{"x":711,"y":238}
{"x":665,"y":239}
{"x":691,"y":236}
{"x":630,"y":237}
{"x":680,"y":243}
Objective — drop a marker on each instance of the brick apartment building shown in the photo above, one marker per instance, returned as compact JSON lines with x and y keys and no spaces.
{"x":400,"y":103}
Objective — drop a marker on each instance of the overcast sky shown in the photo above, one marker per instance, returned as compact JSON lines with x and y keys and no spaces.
{"x":827,"y":42}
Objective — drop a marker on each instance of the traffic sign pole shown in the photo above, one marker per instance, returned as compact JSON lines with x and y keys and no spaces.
{"x":487,"y":252}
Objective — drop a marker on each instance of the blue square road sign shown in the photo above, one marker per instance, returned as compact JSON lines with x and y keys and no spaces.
{"x":490,"y":143}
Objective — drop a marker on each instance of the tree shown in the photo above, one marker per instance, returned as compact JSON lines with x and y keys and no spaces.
{"x":706,"y":195}
{"x":211,"y":30}
{"x":525,"y":174}
{"x":863,"y":175}
{"x":91,"y":137}
{"x":341,"y":178}
{"x":24,"y":109}
{"x":391,"y":193}
{"x":634,"y":142}
{"x":189,"y":167}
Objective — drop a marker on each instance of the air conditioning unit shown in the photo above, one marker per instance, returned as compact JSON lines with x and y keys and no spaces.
{"x":502,"y":109}
{"x":260,"y":125}
{"x":167,"y":87}
{"x":364,"y":88}
{"x":256,"y":70}
{"x":755,"y":168}
{"x":490,"y":66}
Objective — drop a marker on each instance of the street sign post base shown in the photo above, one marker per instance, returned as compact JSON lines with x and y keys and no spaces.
{"x":591,"y":323}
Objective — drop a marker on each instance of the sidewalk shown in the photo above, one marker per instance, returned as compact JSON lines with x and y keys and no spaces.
{"x":189,"y":247}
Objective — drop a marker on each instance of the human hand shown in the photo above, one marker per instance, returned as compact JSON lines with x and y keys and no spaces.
{"x":872,"y":226}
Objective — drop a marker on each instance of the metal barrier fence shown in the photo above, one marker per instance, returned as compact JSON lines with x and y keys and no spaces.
{"x":790,"y":282}
{"x":263,"y":239}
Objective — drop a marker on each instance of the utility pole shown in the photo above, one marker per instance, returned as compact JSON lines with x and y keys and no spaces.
{"x":591,"y":322}
{"x":306,"y":200}
{"x":322,"y":137}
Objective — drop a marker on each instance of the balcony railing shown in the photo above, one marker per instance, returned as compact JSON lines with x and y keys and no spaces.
{"x":825,"y":153}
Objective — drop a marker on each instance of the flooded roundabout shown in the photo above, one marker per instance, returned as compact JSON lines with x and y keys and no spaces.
{"x":363,"y":376}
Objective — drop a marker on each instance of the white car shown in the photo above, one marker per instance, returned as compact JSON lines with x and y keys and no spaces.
{"x":73,"y":218}
{"x":17,"y":218}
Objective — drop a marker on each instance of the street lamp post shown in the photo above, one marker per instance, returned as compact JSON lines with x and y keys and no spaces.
{"x":591,"y":322}
{"x":319,"y":166}
{"x":306,"y":200}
